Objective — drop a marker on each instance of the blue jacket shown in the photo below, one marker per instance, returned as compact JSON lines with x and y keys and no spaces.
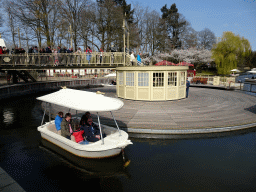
{"x":138,"y":58}
{"x":58,"y":120}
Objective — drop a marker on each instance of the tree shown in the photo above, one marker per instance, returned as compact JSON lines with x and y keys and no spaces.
{"x":252,"y":59}
{"x":206,"y":39}
{"x":108,"y":21}
{"x":151,"y":33}
{"x":11,"y":23}
{"x":230,"y":52}
{"x":175,"y":24}
{"x":189,"y":38}
{"x":37,"y":15}
{"x":71,"y":11}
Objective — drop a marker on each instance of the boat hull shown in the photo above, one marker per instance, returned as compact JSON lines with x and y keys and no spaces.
{"x":113,"y":144}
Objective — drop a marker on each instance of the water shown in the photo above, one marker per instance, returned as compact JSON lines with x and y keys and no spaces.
{"x":224,"y":162}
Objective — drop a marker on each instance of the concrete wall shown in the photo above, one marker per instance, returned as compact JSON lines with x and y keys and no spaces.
{"x":28,"y":88}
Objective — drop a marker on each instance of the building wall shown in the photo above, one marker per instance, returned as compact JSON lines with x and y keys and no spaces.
{"x":152,"y":83}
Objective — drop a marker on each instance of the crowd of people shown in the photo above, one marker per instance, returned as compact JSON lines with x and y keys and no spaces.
{"x":48,"y":49}
{"x":84,"y":132}
{"x":59,"y":58}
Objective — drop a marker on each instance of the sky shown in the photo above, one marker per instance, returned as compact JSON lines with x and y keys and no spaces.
{"x":237,"y":16}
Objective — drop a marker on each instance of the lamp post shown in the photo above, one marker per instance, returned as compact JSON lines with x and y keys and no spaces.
{"x":124,"y":38}
{"x":126,"y":30}
{"x":71,"y":37}
{"x":19,"y":37}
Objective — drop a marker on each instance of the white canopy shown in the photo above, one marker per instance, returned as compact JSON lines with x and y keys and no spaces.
{"x":82,"y":100}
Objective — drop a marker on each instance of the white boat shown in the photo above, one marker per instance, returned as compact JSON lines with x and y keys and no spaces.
{"x":109,"y":146}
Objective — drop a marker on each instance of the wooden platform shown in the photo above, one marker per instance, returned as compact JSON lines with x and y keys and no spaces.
{"x":204,"y":109}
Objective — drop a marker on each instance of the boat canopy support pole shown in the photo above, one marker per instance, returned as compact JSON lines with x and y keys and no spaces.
{"x":100,"y":129}
{"x":44,"y":114}
{"x":116,"y":123}
{"x":50,"y":112}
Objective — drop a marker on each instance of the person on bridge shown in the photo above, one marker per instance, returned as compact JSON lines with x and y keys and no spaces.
{"x":132,"y":58}
{"x":88,"y":52}
{"x":139,"y":59}
{"x":101,"y":55}
{"x":1,"y":52}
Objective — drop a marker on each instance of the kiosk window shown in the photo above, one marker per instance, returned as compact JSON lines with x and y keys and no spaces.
{"x":130,"y":79}
{"x":172,"y":79}
{"x":182,"y":78}
{"x":158,"y":79}
{"x":121,"y":78}
{"x":143,"y":79}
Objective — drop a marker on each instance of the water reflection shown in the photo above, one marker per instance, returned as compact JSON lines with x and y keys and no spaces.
{"x":114,"y":166}
{"x":8,"y":116}
{"x":215,"y":162}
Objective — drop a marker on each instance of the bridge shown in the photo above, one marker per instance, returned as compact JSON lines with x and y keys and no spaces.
{"x":22,"y":65}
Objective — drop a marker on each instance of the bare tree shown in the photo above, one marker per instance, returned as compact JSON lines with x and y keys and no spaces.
{"x":206,"y":39}
{"x":11,"y":22}
{"x":37,"y":15}
{"x":151,"y":33}
{"x":189,"y":38}
{"x":71,"y":11}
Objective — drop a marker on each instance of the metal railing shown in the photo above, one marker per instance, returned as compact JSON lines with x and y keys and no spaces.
{"x":222,"y":81}
{"x":65,"y":59}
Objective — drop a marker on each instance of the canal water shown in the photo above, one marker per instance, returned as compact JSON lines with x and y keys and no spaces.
{"x":224,"y":162}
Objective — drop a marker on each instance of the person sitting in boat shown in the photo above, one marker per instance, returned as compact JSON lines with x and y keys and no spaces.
{"x":58,"y":120}
{"x":67,"y":126}
{"x":85,"y":118}
{"x":91,"y":130}
{"x":78,"y":134}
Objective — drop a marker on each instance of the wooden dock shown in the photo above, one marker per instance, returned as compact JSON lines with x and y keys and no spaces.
{"x":205,"y":110}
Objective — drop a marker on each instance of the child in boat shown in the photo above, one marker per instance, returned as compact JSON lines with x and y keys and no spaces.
{"x":58,"y":120}
{"x":78,"y":134}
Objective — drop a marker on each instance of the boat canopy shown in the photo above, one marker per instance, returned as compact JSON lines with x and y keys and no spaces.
{"x":82,"y":100}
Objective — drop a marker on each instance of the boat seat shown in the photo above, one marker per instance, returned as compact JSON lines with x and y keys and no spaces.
{"x":52,"y":128}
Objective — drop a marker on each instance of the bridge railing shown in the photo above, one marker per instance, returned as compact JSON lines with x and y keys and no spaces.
{"x":65,"y":59}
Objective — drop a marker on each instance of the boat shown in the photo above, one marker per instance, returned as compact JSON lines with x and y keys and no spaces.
{"x":111,"y":145}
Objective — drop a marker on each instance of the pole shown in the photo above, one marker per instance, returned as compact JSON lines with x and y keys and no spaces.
{"x":50,"y":112}
{"x":100,"y":129}
{"x":124,"y":39}
{"x":71,"y":37}
{"x":19,"y":37}
{"x":128,"y":44}
{"x":44,"y":114}
{"x":116,"y":123}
